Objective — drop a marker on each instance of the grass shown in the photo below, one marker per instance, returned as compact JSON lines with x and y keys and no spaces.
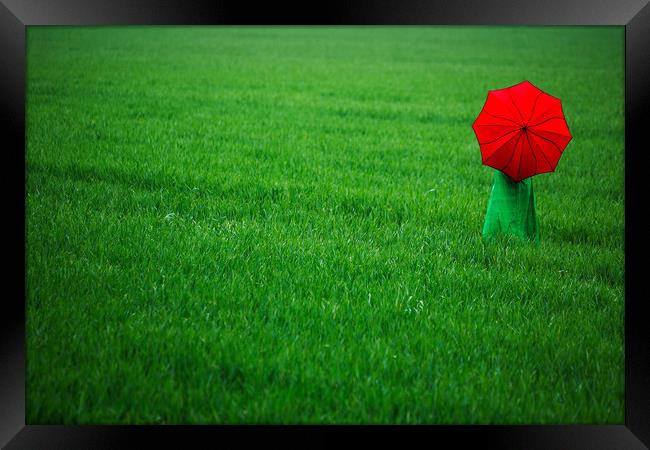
{"x":282,"y":225}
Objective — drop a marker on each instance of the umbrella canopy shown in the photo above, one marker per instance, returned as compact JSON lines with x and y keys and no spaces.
{"x":521,"y":131}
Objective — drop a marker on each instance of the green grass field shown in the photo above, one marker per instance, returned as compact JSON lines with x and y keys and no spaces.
{"x":283,"y":225}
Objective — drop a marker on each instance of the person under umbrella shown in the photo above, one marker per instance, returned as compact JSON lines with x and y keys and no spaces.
{"x":522,"y":132}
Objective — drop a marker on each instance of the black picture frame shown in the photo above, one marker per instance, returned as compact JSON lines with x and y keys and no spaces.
{"x":15,"y":15}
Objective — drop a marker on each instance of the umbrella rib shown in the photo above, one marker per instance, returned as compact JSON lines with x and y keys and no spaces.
{"x":544,"y":155}
{"x":544,"y":121}
{"x":515,"y":105}
{"x":494,"y":125}
{"x":557,"y":133}
{"x":532,"y":152}
{"x":503,"y":118}
{"x":534,"y":106}
{"x":490,"y":157}
{"x":521,"y":157}
{"x":494,"y":140}
{"x":513,"y":151}
{"x":546,"y":139}
{"x":513,"y":154}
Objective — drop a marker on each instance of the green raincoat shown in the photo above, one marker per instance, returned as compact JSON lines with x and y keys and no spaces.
{"x":511,"y":209}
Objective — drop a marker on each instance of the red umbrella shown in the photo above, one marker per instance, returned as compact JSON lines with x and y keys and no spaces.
{"x":521,"y":131}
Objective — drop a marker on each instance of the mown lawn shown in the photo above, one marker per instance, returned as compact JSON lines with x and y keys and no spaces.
{"x":283,"y":225}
